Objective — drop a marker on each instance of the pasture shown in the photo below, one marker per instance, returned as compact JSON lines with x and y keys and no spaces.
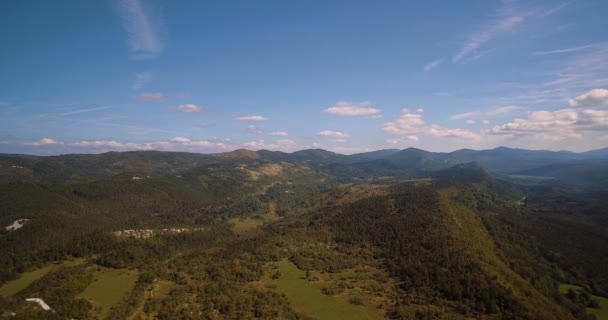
{"x":108,"y":288}
{"x":309,"y":300}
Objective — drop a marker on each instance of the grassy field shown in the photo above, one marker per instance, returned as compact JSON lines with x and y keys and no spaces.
{"x":601,"y":313}
{"x":307,"y":299}
{"x":246,"y":225}
{"x":243,"y":225}
{"x":109,"y":287}
{"x":12,"y":287}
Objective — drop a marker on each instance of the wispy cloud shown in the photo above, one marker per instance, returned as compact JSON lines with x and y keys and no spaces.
{"x":143,"y":27}
{"x":178,"y":143}
{"x":279,"y":134}
{"x":141,"y":79}
{"x":433,"y":64}
{"x":588,"y":69}
{"x":43,"y":142}
{"x":507,"y":19}
{"x":333,"y":134}
{"x":150,"y":96}
{"x":563,"y":50}
{"x":180,"y":140}
{"x":85,"y":110}
{"x":473,"y":117}
{"x":188,"y":108}
{"x":504,"y":110}
{"x":496,"y":28}
{"x":352,"y":109}
{"x":571,"y":75}
{"x":465,"y":115}
{"x":254,"y":129}
{"x":251,"y":118}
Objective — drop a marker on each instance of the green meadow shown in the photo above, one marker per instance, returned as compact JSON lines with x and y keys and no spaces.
{"x":309,"y":300}
{"x":109,"y":287}
{"x":245,"y":224}
{"x":12,"y":287}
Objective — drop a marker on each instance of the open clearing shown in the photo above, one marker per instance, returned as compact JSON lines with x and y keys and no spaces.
{"x":12,"y":287}
{"x":243,"y":226}
{"x":601,"y":313}
{"x":307,"y":299}
{"x":109,"y":287}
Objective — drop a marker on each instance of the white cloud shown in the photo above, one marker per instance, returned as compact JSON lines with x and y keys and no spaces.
{"x":251,"y":118}
{"x":334,"y":134}
{"x":504,"y":110}
{"x":412,"y":125}
{"x":465,"y":115}
{"x":407,"y":123}
{"x":485,"y":122}
{"x":282,"y":145}
{"x":279,"y":134}
{"x":43,"y":142}
{"x":471,"y":121}
{"x":420,"y":110}
{"x":555,"y":125}
{"x":141,"y":79}
{"x":441,"y":132}
{"x":593,"y":98}
{"x":188,"y":108}
{"x":175,"y":144}
{"x":101,"y":144}
{"x":142,"y":27}
{"x":254,"y":129}
{"x":352,"y":109}
{"x":180,"y":140}
{"x":433,"y":64}
{"x":406,"y":139}
{"x":150,"y":96}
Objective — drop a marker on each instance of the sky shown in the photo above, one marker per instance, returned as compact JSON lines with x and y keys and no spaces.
{"x":346,"y":76}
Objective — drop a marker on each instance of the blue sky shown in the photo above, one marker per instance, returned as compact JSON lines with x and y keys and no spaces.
{"x":347,"y":76}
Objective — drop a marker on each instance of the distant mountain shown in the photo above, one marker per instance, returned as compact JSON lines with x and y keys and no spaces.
{"x":368,"y":165}
{"x":584,"y":174}
{"x":598,"y":153}
{"x":374,"y":155}
{"x":318,"y":155}
{"x":471,"y":172}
